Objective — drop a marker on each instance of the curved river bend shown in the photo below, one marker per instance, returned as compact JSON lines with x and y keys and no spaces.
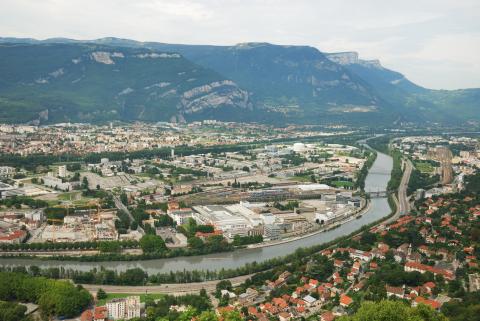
{"x":376,"y":180}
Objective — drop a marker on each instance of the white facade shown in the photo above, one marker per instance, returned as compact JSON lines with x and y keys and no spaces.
{"x":7,"y":171}
{"x":55,"y":182}
{"x":222,"y":219}
{"x":180,"y":216}
{"x":124,"y":309}
{"x":62,"y":171}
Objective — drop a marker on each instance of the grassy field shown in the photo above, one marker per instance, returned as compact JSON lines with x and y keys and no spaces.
{"x":76,"y":198}
{"x":305,"y":178}
{"x":424,"y":167}
{"x":342,"y":184}
{"x":110,"y":296}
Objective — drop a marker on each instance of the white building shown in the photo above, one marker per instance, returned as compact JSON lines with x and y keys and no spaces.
{"x":62,"y":171}
{"x":124,"y":308}
{"x":57,"y":183}
{"x":180,"y":216}
{"x":222,"y":219}
{"x":7,"y":171}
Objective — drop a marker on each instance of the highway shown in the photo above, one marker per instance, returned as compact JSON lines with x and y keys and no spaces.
{"x":403,"y":204}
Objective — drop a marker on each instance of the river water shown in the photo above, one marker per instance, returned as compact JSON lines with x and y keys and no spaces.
{"x":376,"y":180}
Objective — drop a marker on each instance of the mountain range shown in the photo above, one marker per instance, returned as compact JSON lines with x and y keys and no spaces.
{"x":58,"y":80}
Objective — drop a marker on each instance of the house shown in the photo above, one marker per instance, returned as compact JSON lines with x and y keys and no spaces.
{"x":327,"y":316}
{"x":338,"y":263}
{"x":222,"y":310}
{"x":422,"y":268}
{"x":280,"y":303}
{"x":206,"y":235}
{"x":15,"y":237}
{"x":432,"y":303}
{"x":359,"y":286}
{"x":87,"y":315}
{"x":428,"y":287}
{"x":399,"y":292}
{"x":356,"y":268}
{"x":284,"y":316}
{"x":313,"y":283}
{"x":100,"y":314}
{"x":345,"y":300}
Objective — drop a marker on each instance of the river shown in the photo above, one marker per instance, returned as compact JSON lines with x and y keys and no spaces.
{"x":376,"y":180}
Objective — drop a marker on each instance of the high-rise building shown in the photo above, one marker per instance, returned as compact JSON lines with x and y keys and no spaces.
{"x":124,"y":308}
{"x":62,"y":171}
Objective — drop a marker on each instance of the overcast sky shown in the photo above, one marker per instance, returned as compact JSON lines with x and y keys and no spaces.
{"x":435,"y":43}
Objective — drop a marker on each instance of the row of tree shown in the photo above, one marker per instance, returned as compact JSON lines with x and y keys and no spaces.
{"x":60,"y":246}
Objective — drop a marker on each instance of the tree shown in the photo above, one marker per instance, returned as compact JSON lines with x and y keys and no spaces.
{"x":134,"y":226}
{"x":101,"y":294}
{"x":207,"y":316}
{"x":152,"y":244}
{"x":109,"y":247}
{"x":195,"y":242}
{"x":393,"y":311}
{"x":232,"y":316}
{"x":12,"y":311}
{"x":222,"y":285}
{"x":124,"y":198}
{"x":85,"y":182}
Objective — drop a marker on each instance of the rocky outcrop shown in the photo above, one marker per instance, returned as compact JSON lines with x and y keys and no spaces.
{"x":213,"y":95}
{"x":350,"y":58}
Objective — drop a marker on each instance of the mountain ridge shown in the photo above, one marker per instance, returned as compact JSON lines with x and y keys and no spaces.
{"x":287,"y":83}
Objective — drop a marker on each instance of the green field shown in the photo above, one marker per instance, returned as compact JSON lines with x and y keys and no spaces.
{"x":110,"y":296}
{"x":303,"y":178}
{"x":342,"y":184}
{"x":75,"y":198}
{"x":424,"y":167}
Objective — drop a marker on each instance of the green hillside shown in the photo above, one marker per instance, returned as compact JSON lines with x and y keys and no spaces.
{"x":86,"y":82}
{"x":58,"y":80}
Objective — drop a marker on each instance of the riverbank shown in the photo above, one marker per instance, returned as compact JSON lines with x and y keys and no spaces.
{"x":360,"y":213}
{"x":129,"y":254}
{"x":201,"y":279}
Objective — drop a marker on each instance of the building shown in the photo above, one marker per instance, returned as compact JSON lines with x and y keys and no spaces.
{"x":4,"y":188}
{"x":98,"y":314}
{"x":57,"y":183}
{"x":7,"y":171}
{"x":222,"y":219}
{"x":62,"y":171}
{"x":15,"y":237}
{"x":345,"y":300}
{"x":422,"y":268}
{"x":272,"y":232}
{"x":124,"y":308}
{"x":103,"y":232}
{"x":181,"y":215}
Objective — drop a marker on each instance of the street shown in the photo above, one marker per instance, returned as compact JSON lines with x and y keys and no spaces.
{"x":173,"y":289}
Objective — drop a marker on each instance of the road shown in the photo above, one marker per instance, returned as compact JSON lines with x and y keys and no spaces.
{"x":403,"y":204}
{"x":122,"y":207}
{"x":173,"y":289}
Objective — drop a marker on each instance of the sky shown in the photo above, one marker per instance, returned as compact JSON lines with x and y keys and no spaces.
{"x":435,"y":43}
